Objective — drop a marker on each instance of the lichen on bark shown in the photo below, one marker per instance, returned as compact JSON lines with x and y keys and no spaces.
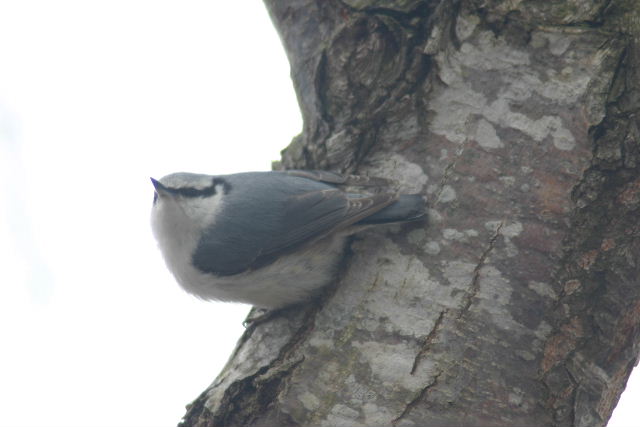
{"x":518,"y":303}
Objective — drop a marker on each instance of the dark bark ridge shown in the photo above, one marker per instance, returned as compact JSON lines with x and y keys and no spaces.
{"x":519,"y":304}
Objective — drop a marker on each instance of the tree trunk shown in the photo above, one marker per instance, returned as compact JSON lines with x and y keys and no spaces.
{"x":518,"y":304}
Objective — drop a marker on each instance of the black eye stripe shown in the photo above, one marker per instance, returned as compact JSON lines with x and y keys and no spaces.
{"x":192,"y":192}
{"x":204,"y":192}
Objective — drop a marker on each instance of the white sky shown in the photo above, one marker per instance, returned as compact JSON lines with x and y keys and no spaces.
{"x":95,"y":97}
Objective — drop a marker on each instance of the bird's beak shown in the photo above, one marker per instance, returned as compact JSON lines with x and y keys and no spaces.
{"x":156,"y":183}
{"x":160,"y":189}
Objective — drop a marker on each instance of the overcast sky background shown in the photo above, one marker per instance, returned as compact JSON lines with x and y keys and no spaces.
{"x":95,"y":97}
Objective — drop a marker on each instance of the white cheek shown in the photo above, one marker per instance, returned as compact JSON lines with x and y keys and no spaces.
{"x":202,"y":211}
{"x":169,"y":223}
{"x":156,"y":214}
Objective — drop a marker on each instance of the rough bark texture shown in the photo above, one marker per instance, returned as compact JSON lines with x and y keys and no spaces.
{"x":519,"y":302}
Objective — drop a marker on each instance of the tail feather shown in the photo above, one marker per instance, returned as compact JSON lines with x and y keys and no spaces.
{"x":409,"y":207}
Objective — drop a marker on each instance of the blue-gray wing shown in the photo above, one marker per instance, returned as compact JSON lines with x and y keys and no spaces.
{"x":266,"y":215}
{"x":341,"y":180}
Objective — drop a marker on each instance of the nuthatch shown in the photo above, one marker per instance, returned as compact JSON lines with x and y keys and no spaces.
{"x":269,"y":239}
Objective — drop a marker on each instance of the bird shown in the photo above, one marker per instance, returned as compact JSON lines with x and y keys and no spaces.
{"x":269,"y":239}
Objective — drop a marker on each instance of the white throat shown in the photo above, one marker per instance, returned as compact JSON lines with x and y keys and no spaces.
{"x":178,"y":224}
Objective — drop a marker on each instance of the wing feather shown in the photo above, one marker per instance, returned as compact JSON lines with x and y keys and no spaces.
{"x":310,"y":211}
{"x":342,"y":180}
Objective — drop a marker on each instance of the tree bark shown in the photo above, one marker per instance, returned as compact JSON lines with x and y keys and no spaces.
{"x":518,"y":304}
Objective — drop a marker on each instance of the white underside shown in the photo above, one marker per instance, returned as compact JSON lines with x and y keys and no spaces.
{"x":290,"y":279}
